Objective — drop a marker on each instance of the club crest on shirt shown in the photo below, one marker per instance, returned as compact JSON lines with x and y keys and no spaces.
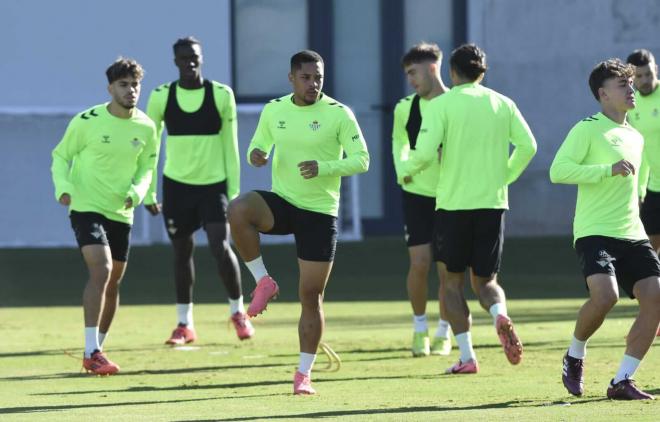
{"x":106,"y":139}
{"x":135,"y":142}
{"x":655,"y":112}
{"x":315,"y":125}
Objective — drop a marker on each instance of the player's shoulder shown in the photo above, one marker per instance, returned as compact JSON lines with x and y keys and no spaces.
{"x":222,"y":88}
{"x":140,"y":118}
{"x":89,"y":115}
{"x":587,"y":125}
{"x":404,"y":103}
{"x":331,"y":105}
{"x":162,"y":89}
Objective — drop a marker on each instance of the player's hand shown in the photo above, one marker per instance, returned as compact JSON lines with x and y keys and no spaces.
{"x":407,"y":179}
{"x":65,"y":199}
{"x":128,"y":203}
{"x":258,"y":158}
{"x":154,"y":209}
{"x":309,"y":169}
{"x":623,"y":167}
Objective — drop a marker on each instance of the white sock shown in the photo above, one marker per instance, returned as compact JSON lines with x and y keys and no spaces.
{"x":443,"y":329}
{"x":91,"y":340}
{"x":497,"y":309}
{"x":102,"y":339}
{"x":627,"y":369}
{"x":184,"y":311}
{"x":236,"y":305}
{"x":464,"y":341}
{"x":257,"y":268}
{"x":577,"y":349}
{"x":420,"y":324}
{"x":306,"y":363}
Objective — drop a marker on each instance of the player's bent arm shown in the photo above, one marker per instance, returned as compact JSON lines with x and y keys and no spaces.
{"x":400,"y":145}
{"x":145,"y":171}
{"x":71,"y":144}
{"x":525,"y":146}
{"x":567,"y":166}
{"x":262,"y":141}
{"x":644,"y":174}
{"x":155,"y":111}
{"x":229,"y":137}
{"x":352,"y":141}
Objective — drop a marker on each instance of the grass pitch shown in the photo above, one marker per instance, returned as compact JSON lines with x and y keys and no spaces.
{"x":221,"y":378}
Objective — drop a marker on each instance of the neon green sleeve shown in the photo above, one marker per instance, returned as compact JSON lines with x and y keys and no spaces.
{"x":357,"y":157}
{"x":400,"y":144}
{"x":525,"y":146}
{"x":262,"y":138}
{"x":644,"y":174}
{"x":567,"y":166}
{"x":430,"y":139}
{"x":71,"y":144}
{"x":229,"y":139}
{"x":155,"y":111}
{"x":147,"y":162}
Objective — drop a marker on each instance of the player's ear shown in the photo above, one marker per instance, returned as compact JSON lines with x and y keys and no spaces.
{"x":291,"y":77}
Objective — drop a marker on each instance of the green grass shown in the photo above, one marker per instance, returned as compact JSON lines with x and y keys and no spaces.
{"x":368,"y":324}
{"x":225,"y":379}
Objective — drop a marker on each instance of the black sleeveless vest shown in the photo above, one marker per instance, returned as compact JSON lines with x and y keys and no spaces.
{"x":205,"y":121}
{"x":414,"y":122}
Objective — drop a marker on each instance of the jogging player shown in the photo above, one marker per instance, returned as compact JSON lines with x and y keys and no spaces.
{"x":474,"y":127}
{"x":421,"y":65}
{"x":602,"y":155}
{"x":310,"y":132}
{"x":101,"y":170}
{"x":201,"y":175}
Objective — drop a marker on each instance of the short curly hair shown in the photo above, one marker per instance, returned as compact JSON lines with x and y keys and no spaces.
{"x":608,"y":69}
{"x":123,"y":67}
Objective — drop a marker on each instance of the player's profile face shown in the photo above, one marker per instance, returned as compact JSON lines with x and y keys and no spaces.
{"x":619,"y":93}
{"x":188,"y":59}
{"x":307,"y":82}
{"x":646,"y":78}
{"x":419,"y":77}
{"x":125,"y":91}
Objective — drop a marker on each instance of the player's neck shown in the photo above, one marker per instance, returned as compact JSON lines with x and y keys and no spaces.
{"x":194,"y":83}
{"x":615,"y":115}
{"x":121,"y":111}
{"x":438,"y":88}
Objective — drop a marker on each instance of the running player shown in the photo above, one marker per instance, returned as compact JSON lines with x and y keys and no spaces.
{"x":101,"y":170}
{"x":201,"y":175}
{"x":311,"y":132}
{"x":421,"y":65}
{"x":474,"y":127}
{"x":602,"y":155}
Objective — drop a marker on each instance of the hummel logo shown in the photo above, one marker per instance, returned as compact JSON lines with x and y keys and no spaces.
{"x":281,"y":124}
{"x":135,"y":142}
{"x":106,"y":139}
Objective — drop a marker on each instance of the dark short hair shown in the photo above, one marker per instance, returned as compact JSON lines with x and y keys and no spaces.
{"x":305,"y":56}
{"x":469,"y":61}
{"x":608,"y":69}
{"x":422,"y":52}
{"x":185,"y":42}
{"x":640,"y":57}
{"x":123,"y":67}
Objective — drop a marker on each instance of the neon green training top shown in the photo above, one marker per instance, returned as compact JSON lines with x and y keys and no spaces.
{"x":426,"y":181}
{"x":198,"y":159}
{"x":646,"y":119}
{"x":323,"y":131}
{"x":111,"y":159}
{"x":606,"y":205}
{"x":474,"y":125}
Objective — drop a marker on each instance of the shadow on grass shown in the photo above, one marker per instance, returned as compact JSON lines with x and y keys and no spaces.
{"x":41,"y":409}
{"x":411,"y":409}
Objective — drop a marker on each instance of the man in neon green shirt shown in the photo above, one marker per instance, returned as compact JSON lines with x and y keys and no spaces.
{"x":421,"y":65}
{"x":311,"y":132}
{"x":474,"y":127}
{"x":101,"y":170}
{"x":602,"y":155}
{"x":201,"y":175}
{"x":646,"y":119}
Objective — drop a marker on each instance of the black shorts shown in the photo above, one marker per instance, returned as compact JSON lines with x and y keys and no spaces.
{"x":315,"y":233}
{"x":92,"y":228}
{"x":650,"y":212}
{"x":419,"y":217}
{"x":469,"y":238}
{"x":627,"y":260}
{"x":186,"y":207}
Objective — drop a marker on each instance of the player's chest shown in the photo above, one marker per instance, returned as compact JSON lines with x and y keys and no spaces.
{"x":304,"y":132}
{"x":112,"y":142}
{"x":618,"y":145}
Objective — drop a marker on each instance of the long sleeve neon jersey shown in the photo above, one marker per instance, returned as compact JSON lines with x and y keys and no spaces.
{"x":475,"y":126}
{"x":103,"y":159}
{"x":198,"y":159}
{"x":646,"y":119}
{"x":426,"y":181}
{"x":606,"y":205}
{"x":324,"y":131}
